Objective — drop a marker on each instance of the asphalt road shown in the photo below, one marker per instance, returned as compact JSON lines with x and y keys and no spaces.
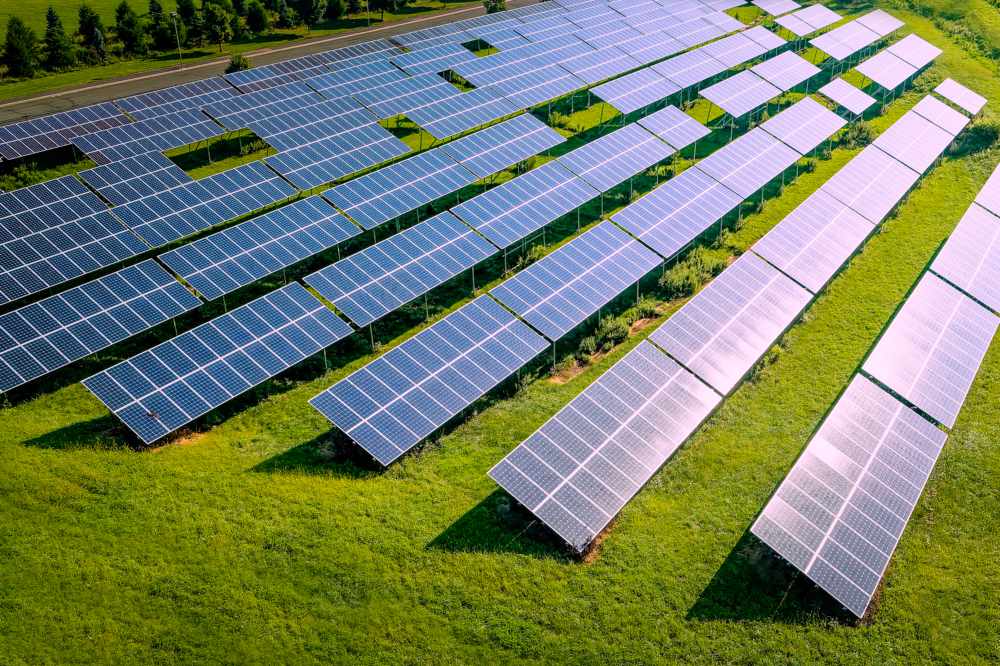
{"x":63,"y":100}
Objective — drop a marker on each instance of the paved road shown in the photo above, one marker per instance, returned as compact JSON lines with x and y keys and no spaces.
{"x":39,"y":105}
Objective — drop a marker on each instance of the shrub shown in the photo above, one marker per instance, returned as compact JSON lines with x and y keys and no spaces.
{"x":20,"y":51}
{"x":857,"y":135}
{"x":237,"y":63}
{"x":645,"y":308}
{"x":679,"y":281}
{"x":587,"y":348}
{"x":258,"y":20}
{"x":610,"y":331}
{"x":979,"y":136}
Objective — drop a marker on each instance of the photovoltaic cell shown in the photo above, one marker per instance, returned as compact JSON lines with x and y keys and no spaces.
{"x":808,"y":20}
{"x":383,"y":277}
{"x":872,"y":183}
{"x":880,"y":22}
{"x":675,"y":127}
{"x":54,"y":332}
{"x":970,"y":259}
{"x":887,"y":70}
{"x":174,"y":383}
{"x":134,"y":177}
{"x":401,"y":97}
{"x":721,"y":332}
{"x":240,"y":255}
{"x":192,"y":95}
{"x":741,"y":93}
{"x":342,"y":82}
{"x":515,"y":61}
{"x":847,"y":96}
{"x":145,"y":136}
{"x":614,"y":158}
{"x":509,"y":212}
{"x":633,"y":91}
{"x":239,"y":111}
{"x":785,"y":70}
{"x":733,"y":50}
{"x":462,"y":113}
{"x":601,"y":64}
{"x":383,"y":195}
{"x":644,"y":48}
{"x":536,"y":86}
{"x":749,"y":163}
{"x":691,"y":68}
{"x":933,"y":348}
{"x":433,"y":60}
{"x":57,"y":130}
{"x":989,"y":196}
{"x":677,"y":212}
{"x":804,"y":125}
{"x":844,"y":41}
{"x":393,"y":403}
{"x":814,"y":240}
{"x":309,"y":124}
{"x":579,"y":469}
{"x":941,"y":115}
{"x":795,"y":25}
{"x":559,"y":292}
{"x":497,"y":147}
{"x":842,"y":509}
{"x":776,"y":7}
{"x":914,"y":141}
{"x":955,"y":92}
{"x":764,"y":37}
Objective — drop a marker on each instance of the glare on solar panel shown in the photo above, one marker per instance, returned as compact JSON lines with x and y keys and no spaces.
{"x":462,"y":113}
{"x":786,"y":70}
{"x":600,"y":64}
{"x":795,"y":25}
{"x":872,"y":183}
{"x":614,"y":158}
{"x":955,"y":92}
{"x":675,"y":127}
{"x":499,"y":146}
{"x":914,"y":141}
{"x":646,"y":48}
{"x":843,"y":42}
{"x":741,"y":93}
{"x":804,"y":125}
{"x":749,"y":163}
{"x":433,"y":60}
{"x":970,"y":259}
{"x":537,"y":86}
{"x":765,"y":38}
{"x":880,"y":22}
{"x":776,"y":7}
{"x":847,"y":96}
{"x":691,"y":68}
{"x":818,"y":16}
{"x":634,"y":91}
{"x":733,"y":50}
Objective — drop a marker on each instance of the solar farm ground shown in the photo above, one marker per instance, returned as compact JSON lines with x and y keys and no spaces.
{"x":255,"y":538}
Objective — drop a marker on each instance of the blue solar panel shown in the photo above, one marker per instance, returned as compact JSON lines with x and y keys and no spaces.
{"x":467,"y":111}
{"x":379,"y":279}
{"x":401,"y":97}
{"x":749,"y":163}
{"x":509,"y":212}
{"x":57,"y":130}
{"x":54,"y":332}
{"x":393,"y":403}
{"x":636,"y":90}
{"x":495,"y":148}
{"x":614,"y":158}
{"x":677,"y":212}
{"x":646,"y":48}
{"x":192,"y":95}
{"x":559,"y":292}
{"x":691,"y":68}
{"x":434,"y":59}
{"x":383,"y":195}
{"x":134,"y":177}
{"x":602,"y":64}
{"x":174,"y":383}
{"x":514,"y":62}
{"x":238,"y":256}
{"x":675,"y":127}
{"x":312,"y":123}
{"x":536,"y":86}
{"x":348,"y":81}
{"x":237,"y":112}
{"x":45,"y":205}
{"x":154,"y":134}
{"x":192,"y":207}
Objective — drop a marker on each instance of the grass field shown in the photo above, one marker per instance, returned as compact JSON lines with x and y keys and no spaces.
{"x":255,"y":539}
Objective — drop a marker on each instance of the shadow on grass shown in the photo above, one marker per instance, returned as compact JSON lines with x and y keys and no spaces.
{"x":498,"y":525}
{"x":325,"y":455}
{"x":103,"y":432}
{"x":754,"y":584}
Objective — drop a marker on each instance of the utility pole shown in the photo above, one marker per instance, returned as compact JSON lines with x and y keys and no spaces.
{"x":173,"y":17}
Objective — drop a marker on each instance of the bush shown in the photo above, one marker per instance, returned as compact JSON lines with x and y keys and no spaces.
{"x":20,"y":51}
{"x":587,"y":348}
{"x":645,"y":309}
{"x":679,"y":281}
{"x":258,"y":20}
{"x":237,"y":63}
{"x":979,"y":136}
{"x":610,"y":331}
{"x":857,"y":135}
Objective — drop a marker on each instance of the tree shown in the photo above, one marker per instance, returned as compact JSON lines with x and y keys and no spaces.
{"x":312,"y":11}
{"x":20,"y":52}
{"x":493,"y":6}
{"x":59,"y":50}
{"x":335,"y":9}
{"x":391,"y":5}
{"x":162,"y":30}
{"x":89,"y":25}
{"x":240,"y":7}
{"x":130,"y":29}
{"x":258,"y":20}
{"x":353,"y":6}
{"x":218,"y":24}
{"x":187,"y":12}
{"x":287,"y":18}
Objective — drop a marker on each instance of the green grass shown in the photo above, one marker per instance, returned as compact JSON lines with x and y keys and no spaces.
{"x":256,"y":539}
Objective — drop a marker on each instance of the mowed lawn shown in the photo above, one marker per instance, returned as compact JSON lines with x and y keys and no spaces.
{"x":250,"y":542}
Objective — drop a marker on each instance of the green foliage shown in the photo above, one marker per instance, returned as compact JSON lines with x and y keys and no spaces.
{"x":611,"y":331}
{"x":287,"y":17}
{"x":983,"y":134}
{"x":162,"y":32}
{"x":311,"y":11}
{"x":237,"y":63}
{"x":335,"y":9}
{"x":586,"y":349}
{"x":130,"y":30}
{"x":90,"y":28}
{"x":857,"y":135}
{"x":258,"y":18}
{"x":217,"y":24}
{"x":59,"y":52}
{"x":685,"y":277}
{"x":355,"y":6}
{"x":20,"y":53}
{"x":493,"y":6}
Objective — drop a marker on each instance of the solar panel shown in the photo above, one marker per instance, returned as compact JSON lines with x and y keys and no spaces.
{"x":509,"y":212}
{"x":560,"y":291}
{"x":847,"y":96}
{"x":644,"y":48}
{"x":955,"y":92}
{"x":579,"y":469}
{"x":804,"y":125}
{"x":880,"y":22}
{"x":433,"y":37}
{"x":741,"y":93}
{"x":145,"y":136}
{"x":614,"y":158}
{"x":887,"y":70}
{"x":722,"y":5}
{"x":989,"y":196}
{"x":546,"y":27}
{"x":689,"y":69}
{"x":842,"y":509}
{"x":514,"y":62}
{"x":192,"y":207}
{"x":933,"y":348}
{"x":433,"y":60}
{"x":240,"y":255}
{"x":634,"y":91}
{"x":776,"y":7}
{"x":785,"y":70}
{"x":914,"y":141}
{"x":57,"y":130}
{"x":313,"y":123}
{"x":383,"y":277}
{"x":343,"y":82}
{"x":749,"y":163}
{"x":675,"y":127}
{"x":462,"y":113}
{"x":334,"y":157}
{"x":765,"y":38}
{"x":238,"y":112}
{"x":167,"y":387}
{"x":818,"y":16}
{"x":45,"y":205}
{"x":970,"y":259}
{"x":733,"y":50}
{"x":722,"y":332}
{"x":192,"y":95}
{"x":501,"y":39}
{"x":400,"y":97}
{"x":795,"y":25}
{"x":394,"y":402}
{"x":677,"y":212}
{"x":134,"y":177}
{"x":872,"y":183}
{"x":843,"y":42}
{"x":814,"y":240}
{"x":941,"y":115}
{"x":497,"y":147}
{"x":604,"y":63}
{"x":56,"y":331}
{"x":592,"y":17}
{"x":724,"y":22}
{"x":537,"y":86}
{"x":694,"y":31}
{"x":383,"y":195}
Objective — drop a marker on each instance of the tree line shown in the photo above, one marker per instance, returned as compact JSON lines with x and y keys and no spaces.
{"x":133,"y":35}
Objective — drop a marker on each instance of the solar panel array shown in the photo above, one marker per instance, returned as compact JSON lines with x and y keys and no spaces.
{"x":57,"y":130}
{"x":240,"y":111}
{"x":880,"y":22}
{"x":579,"y":469}
{"x":741,"y":93}
{"x":844,"y":41}
{"x":933,"y":348}
{"x":804,"y":125}
{"x":914,"y":141}
{"x":675,"y":127}
{"x":887,"y":70}
{"x":721,"y":332}
{"x":394,"y":402}
{"x":614,"y":158}
{"x":942,"y":115}
{"x":381,"y":278}
{"x":185,"y":96}
{"x":462,"y":113}
{"x":776,"y":7}
{"x":495,"y":148}
{"x":955,"y":92}
{"x":989,"y":196}
{"x":155,"y":134}
{"x":843,"y":93}
{"x":841,"y":511}
{"x":134,"y":177}
{"x":167,"y":387}
{"x":785,"y":70}
{"x":970,"y":259}
{"x":240,"y":255}
{"x":872,"y":183}
{"x":56,"y":331}
{"x":808,"y":20}
{"x":560,"y":291}
{"x":749,"y":163}
{"x":309,"y":124}
{"x":636,"y":90}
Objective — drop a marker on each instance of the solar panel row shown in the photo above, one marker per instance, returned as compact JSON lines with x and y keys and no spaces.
{"x":134,"y":177}
{"x":57,"y":130}
{"x":155,"y":134}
